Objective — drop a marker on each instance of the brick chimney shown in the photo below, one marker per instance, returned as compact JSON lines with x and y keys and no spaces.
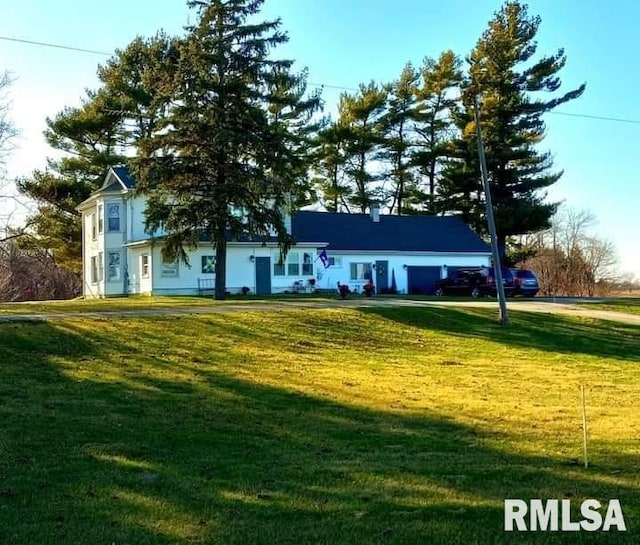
{"x":374,"y":212}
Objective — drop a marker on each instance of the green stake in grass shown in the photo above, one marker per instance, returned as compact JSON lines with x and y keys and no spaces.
{"x":584,"y":427}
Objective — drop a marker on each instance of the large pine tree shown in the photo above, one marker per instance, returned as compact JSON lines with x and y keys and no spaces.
{"x":397,"y":127}
{"x":436,"y":97}
{"x":93,"y":137}
{"x":227,"y":158}
{"x":329,"y":162}
{"x":88,"y":136}
{"x":360,"y":117}
{"x":510,"y":84}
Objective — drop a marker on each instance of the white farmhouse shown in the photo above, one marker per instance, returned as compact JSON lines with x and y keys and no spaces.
{"x":403,"y":253}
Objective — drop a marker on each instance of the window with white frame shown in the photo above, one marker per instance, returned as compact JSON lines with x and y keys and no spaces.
{"x":295,"y":264}
{"x":94,"y":269}
{"x":94,"y":227}
{"x":360,"y":271}
{"x":114,"y":268}
{"x":307,"y":264}
{"x":113,"y":216}
{"x":144,"y":265}
{"x":100,"y":267}
{"x":100,"y":219}
{"x":279,"y":267}
{"x":169,"y":269}
{"x":335,"y":262}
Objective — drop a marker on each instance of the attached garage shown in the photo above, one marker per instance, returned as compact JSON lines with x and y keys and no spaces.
{"x":421,"y":279}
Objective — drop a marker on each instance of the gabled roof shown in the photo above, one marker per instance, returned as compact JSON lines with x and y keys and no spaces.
{"x":392,"y":233}
{"x":117,"y":179}
{"x":122,"y":173}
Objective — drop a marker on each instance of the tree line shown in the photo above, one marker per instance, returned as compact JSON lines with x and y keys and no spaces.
{"x":211,"y":122}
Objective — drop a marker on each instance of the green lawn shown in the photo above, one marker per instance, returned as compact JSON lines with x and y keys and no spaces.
{"x":627,"y":305}
{"x":335,"y":426}
{"x":138,"y":303}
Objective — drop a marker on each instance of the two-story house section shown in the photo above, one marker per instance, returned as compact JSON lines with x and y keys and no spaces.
{"x":104,"y":236}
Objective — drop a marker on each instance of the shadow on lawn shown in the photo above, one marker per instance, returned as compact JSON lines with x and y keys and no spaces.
{"x":225,"y":460}
{"x":220,"y":459}
{"x":549,"y":332}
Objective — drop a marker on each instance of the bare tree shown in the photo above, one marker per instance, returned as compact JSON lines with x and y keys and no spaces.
{"x":7,"y":130}
{"x":27,"y":275}
{"x":10,"y":204}
{"x":571,"y":259}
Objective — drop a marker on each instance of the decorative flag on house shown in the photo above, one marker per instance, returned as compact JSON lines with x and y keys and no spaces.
{"x":324,"y":258}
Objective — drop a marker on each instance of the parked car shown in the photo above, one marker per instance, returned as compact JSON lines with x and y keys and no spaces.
{"x":476,"y":282}
{"x":526,"y":283}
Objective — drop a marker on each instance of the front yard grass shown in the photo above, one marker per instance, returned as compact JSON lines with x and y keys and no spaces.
{"x":325,"y":426}
{"x":136,"y":303}
{"x":627,"y":305}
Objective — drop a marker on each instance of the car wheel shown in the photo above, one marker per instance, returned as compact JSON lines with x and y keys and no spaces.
{"x":475,"y":293}
{"x":439,"y":292}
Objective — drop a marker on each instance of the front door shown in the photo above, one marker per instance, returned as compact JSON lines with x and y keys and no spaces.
{"x":382,"y":276}
{"x":263,"y":275}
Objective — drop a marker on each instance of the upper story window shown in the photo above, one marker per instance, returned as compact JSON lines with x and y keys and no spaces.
{"x":100,"y":219}
{"x":94,"y":227}
{"x":113,"y":217}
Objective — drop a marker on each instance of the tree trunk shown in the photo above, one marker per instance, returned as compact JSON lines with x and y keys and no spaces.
{"x":502,"y":249}
{"x":221,"y":265}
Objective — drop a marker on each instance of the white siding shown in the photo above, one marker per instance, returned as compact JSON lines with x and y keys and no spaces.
{"x":92,"y":248}
{"x":135,"y":219}
{"x":240,"y":270}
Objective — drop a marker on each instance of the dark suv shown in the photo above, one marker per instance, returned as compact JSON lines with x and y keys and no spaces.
{"x":526,"y":283}
{"x":475,"y":282}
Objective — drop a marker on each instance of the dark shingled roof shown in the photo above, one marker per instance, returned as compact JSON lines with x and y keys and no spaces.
{"x":359,"y":232}
{"x":123,"y":175}
{"x":393,"y":233}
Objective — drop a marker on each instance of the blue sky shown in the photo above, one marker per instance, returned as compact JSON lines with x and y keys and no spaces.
{"x":346,"y":42}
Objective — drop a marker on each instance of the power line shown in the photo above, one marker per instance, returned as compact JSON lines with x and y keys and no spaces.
{"x":57,"y":46}
{"x":95,"y":52}
{"x":599,"y":117}
{"x":321,"y":85}
{"x":332,"y":86}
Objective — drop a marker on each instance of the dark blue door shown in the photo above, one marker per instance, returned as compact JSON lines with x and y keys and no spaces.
{"x":382,"y":276}
{"x":421,"y":280}
{"x":263,"y":275}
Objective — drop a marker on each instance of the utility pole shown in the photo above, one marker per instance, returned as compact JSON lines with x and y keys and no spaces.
{"x":497,"y":265}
